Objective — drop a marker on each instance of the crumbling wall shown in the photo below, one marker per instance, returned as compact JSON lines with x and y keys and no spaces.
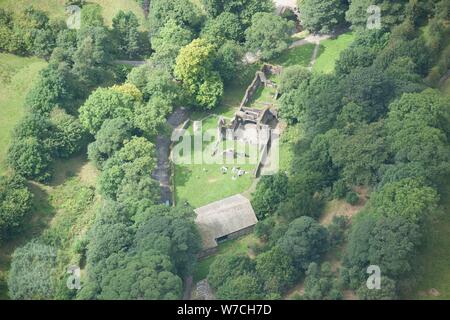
{"x":259,"y":80}
{"x":256,"y":83}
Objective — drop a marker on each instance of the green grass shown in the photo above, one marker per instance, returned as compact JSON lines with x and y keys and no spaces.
{"x":329,"y":52}
{"x":296,"y":56}
{"x":263,"y":97}
{"x":238,"y":246}
{"x":17,"y":75}
{"x":56,"y":8}
{"x":200,"y":184}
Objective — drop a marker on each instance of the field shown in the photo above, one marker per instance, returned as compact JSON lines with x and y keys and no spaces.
{"x":16,"y":75}
{"x":296,"y":56}
{"x":56,"y":8}
{"x":329,"y":52}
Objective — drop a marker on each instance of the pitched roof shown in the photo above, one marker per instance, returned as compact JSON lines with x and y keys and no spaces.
{"x":224,"y":217}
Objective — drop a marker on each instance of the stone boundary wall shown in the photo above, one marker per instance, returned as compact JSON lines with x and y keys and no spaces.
{"x":256,"y":83}
{"x":263,"y":156}
{"x":260,"y":78}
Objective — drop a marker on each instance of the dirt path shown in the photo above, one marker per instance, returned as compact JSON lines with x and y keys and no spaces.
{"x":163,"y":142}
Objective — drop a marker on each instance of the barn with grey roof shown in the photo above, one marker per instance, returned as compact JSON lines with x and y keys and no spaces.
{"x":225,"y":219}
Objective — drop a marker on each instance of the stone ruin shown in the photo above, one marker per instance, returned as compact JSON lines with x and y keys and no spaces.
{"x":251,"y":125}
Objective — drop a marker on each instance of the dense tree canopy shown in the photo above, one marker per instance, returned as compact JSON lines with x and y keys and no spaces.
{"x":15,"y":204}
{"x":104,"y":104}
{"x":245,"y":10}
{"x":268,"y":34}
{"x":194,"y":68}
{"x":321,"y":15}
{"x":305,"y":241}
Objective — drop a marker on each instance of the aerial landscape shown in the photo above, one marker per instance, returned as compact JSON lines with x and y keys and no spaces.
{"x":225,"y":150}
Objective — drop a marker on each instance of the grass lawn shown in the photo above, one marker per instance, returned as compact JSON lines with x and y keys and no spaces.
{"x":56,"y":8}
{"x":296,"y":56}
{"x":17,"y":75}
{"x":329,"y":52}
{"x":237,"y":246}
{"x":263,"y":97}
{"x":200,"y":184}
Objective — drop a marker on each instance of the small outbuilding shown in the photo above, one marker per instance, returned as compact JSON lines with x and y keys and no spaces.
{"x":224,"y":219}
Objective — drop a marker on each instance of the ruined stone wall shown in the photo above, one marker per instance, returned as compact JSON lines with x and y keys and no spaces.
{"x":266,"y":70}
{"x":256,"y":83}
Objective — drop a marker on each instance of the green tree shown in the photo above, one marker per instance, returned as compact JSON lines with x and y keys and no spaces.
{"x":270,"y":192}
{"x":108,"y":140}
{"x":305,"y":241}
{"x":245,"y":10}
{"x":168,"y":42}
{"x":389,"y":242}
{"x":144,"y":276}
{"x":185,"y":12}
{"x":30,"y":158}
{"x":392,"y":12}
{"x":134,"y":163}
{"x":91,"y":16}
{"x":194,"y":67}
{"x":320,"y":103}
{"x":243,"y":287}
{"x":104,"y":104}
{"x":276,"y":270}
{"x":369,"y":88}
{"x":227,"y":267}
{"x":51,"y":89}
{"x":321,"y":283}
{"x":360,"y":155}
{"x":388,"y":291}
{"x":15,"y":204}
{"x":321,"y":16}
{"x":406,"y":198}
{"x":125,"y":32}
{"x":229,"y":61}
{"x":68,"y":136}
{"x":92,"y":56}
{"x":269,"y":34}
{"x":150,"y":117}
{"x":225,"y":26}
{"x":171,"y":231}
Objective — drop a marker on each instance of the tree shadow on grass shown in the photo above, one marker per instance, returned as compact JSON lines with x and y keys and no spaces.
{"x":182,"y":175}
